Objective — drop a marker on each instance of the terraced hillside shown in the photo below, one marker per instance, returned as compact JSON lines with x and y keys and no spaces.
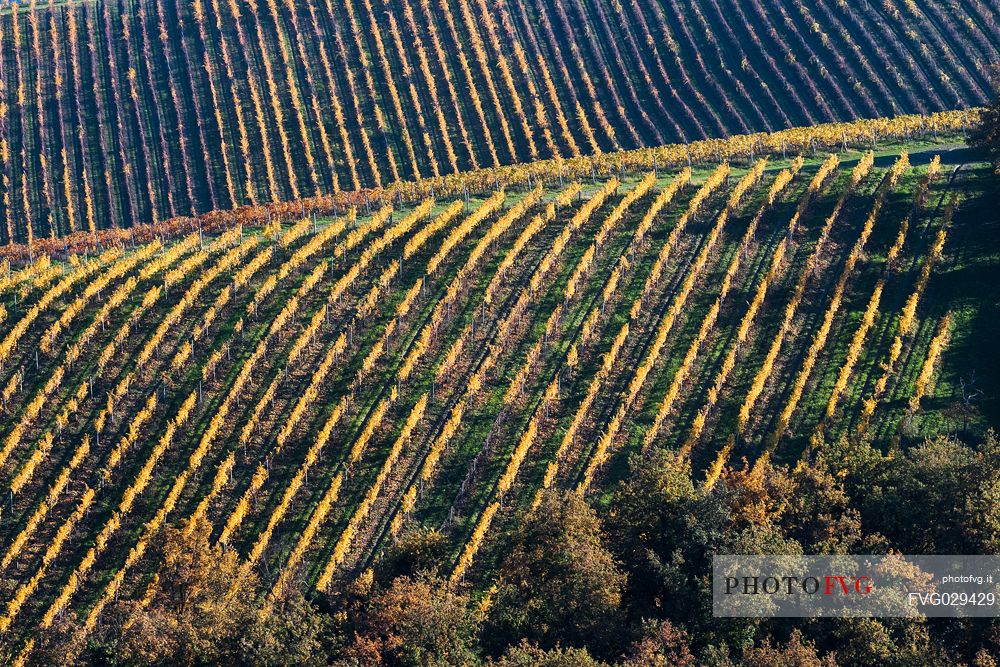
{"x":115,"y":112}
{"x":315,"y":388}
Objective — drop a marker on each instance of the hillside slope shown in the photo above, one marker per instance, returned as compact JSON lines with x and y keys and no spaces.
{"x":118,"y":111}
{"x":313,"y":389}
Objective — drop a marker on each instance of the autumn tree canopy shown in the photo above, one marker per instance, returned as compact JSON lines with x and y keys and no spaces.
{"x":559,"y":584}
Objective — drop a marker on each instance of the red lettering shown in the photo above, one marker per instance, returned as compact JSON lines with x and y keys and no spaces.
{"x":831,"y":583}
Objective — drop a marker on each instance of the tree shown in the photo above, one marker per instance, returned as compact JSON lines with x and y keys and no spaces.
{"x":963,"y":409}
{"x":190,"y":620}
{"x":416,"y":621}
{"x":662,"y":646}
{"x":942,"y":496}
{"x":294,"y":634}
{"x":559,"y":584}
{"x":818,"y":514}
{"x":893,"y":642}
{"x":648,"y":508}
{"x":528,"y":655}
{"x":986,"y":136}
{"x":795,"y":653}
{"x":665,"y":532}
{"x":416,"y":550}
{"x":201,"y":611}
